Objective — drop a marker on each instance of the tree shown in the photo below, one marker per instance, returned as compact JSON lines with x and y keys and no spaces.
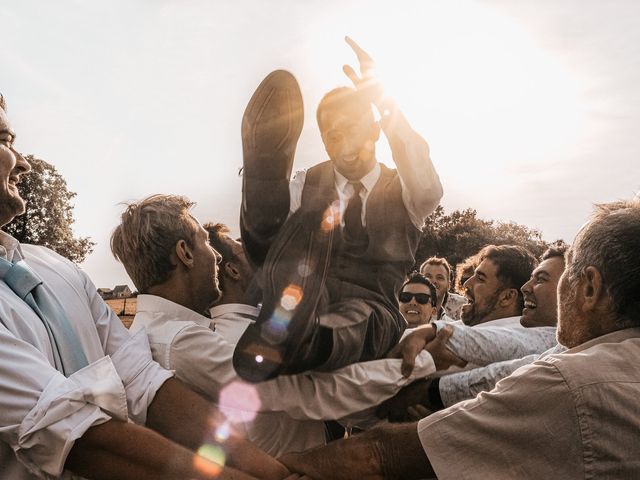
{"x":461,"y":234}
{"x":49,"y":214}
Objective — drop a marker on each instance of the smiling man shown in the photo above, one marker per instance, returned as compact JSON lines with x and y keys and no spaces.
{"x":571,"y":415}
{"x":76,"y":386}
{"x":497,"y":351}
{"x":332,"y":271}
{"x":417,"y":300}
{"x":493,"y":292}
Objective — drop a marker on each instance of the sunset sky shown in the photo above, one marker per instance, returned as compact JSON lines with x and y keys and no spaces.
{"x":531,"y":108}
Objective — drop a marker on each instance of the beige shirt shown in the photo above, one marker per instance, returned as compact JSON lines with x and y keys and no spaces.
{"x":571,"y":415}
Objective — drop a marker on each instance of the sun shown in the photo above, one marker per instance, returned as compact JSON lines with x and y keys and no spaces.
{"x":474,"y":82}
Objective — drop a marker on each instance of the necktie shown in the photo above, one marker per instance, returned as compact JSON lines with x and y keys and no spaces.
{"x":353,"y":229}
{"x":67,"y":350}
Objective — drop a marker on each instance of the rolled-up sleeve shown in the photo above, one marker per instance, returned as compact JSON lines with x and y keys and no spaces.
{"x":140,"y":374}
{"x":131,"y":355}
{"x":42,"y":413}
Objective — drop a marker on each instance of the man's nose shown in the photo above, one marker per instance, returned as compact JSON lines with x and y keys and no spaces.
{"x":21,"y":163}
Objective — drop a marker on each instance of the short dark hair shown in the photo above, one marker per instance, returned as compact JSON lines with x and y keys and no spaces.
{"x":417,"y":277}
{"x":465,"y":268}
{"x":514,"y":265}
{"x":557,"y":249}
{"x":610,"y":241}
{"x":345,"y":98}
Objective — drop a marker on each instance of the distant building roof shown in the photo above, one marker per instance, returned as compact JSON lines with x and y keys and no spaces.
{"x":121,"y":289}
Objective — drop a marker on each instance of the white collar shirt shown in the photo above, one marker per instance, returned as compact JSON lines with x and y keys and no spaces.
{"x":42,"y":412}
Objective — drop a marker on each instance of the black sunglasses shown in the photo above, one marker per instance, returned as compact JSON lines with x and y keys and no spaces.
{"x":421,"y":298}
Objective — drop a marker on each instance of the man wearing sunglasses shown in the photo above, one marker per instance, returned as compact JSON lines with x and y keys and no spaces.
{"x":417,"y":300}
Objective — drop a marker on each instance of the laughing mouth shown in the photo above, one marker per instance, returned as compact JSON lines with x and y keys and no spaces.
{"x":529,"y":304}
{"x":349,"y":158}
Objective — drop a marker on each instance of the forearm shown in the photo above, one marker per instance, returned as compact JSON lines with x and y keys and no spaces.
{"x":343,"y":392}
{"x":461,"y":386}
{"x":118,"y":450}
{"x":486,"y":345}
{"x":422,"y":189}
{"x":392,"y":451}
{"x":187,"y":418}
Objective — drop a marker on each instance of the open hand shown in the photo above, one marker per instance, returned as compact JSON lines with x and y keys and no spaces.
{"x":366,"y":82}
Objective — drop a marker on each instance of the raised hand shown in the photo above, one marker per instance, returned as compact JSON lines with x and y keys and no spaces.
{"x":366,"y":82}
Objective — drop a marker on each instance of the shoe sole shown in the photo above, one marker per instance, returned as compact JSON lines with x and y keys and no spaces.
{"x":292,"y":289}
{"x":271,"y":126}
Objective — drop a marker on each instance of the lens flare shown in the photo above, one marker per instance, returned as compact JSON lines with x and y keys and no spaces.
{"x":331,"y":217}
{"x":291,"y":297}
{"x":239,"y":402}
{"x":222,"y":432}
{"x":209,"y":459}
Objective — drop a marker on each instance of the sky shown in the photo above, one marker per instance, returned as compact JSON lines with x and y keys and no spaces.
{"x":531,"y":108}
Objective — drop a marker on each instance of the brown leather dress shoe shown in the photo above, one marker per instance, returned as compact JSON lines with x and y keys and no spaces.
{"x":271,"y":126}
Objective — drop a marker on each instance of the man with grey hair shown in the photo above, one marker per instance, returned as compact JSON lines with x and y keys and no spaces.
{"x":570,"y":415}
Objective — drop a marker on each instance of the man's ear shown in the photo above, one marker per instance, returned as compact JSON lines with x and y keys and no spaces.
{"x":508,"y":296}
{"x":184,"y":254}
{"x":231,"y":271}
{"x":591,"y":288}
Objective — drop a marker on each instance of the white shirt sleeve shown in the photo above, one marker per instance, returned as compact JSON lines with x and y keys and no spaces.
{"x":482,"y":346}
{"x":130,"y":354}
{"x":337,"y":394}
{"x":421,"y":187}
{"x":295,"y":191}
{"x":42,"y":413}
{"x":202,"y":359}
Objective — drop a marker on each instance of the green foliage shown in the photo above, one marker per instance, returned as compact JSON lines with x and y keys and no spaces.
{"x":49,"y":214}
{"x":461,"y":234}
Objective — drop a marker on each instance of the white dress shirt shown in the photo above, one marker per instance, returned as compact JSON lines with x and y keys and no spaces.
{"x":42,"y":412}
{"x":290,"y":411}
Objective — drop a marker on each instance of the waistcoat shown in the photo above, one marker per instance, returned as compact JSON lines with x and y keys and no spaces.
{"x":382,"y":264}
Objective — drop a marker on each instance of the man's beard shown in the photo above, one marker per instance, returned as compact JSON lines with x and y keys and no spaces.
{"x":571,"y":330}
{"x":476,"y":314}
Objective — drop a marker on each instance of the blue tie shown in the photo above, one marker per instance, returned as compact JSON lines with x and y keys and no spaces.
{"x":68,"y":354}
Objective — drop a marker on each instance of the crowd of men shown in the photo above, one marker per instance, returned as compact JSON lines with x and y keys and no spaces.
{"x":308,"y":348}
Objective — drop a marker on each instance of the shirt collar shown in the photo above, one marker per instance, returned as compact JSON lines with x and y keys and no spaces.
{"x":368,"y":181}
{"x":234,"y":308}
{"x":613,"y":337}
{"x":154,"y":304}
{"x":9,"y":246}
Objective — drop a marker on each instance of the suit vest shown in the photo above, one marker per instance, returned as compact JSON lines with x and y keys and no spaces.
{"x":381,"y":266}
